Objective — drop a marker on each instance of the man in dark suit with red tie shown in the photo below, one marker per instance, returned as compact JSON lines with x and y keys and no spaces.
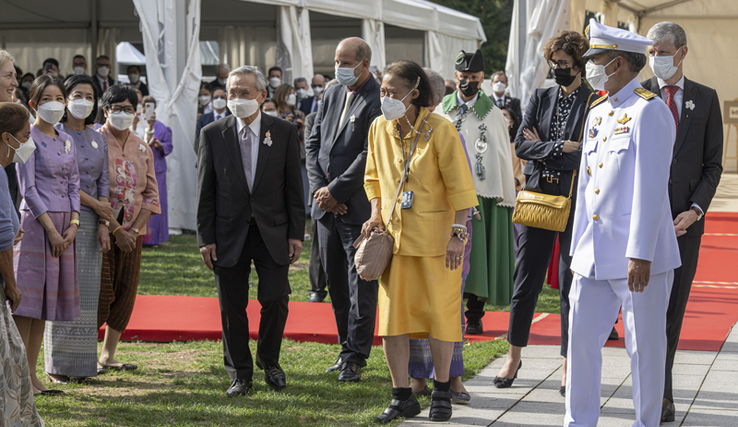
{"x":250,"y":208}
{"x":695,"y":170}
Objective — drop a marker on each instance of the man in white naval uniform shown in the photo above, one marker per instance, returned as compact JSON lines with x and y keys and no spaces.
{"x":624,"y":246}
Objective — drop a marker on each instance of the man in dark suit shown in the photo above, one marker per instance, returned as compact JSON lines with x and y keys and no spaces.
{"x":310,"y":104}
{"x":134,"y":76}
{"x":336,"y":159}
{"x":220,"y":111}
{"x":221,"y":77}
{"x":250,"y":208}
{"x":695,"y":170}
{"x":499,"y":84}
{"x":102,"y":80}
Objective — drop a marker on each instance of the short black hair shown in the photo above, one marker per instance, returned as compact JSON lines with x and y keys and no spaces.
{"x":118,"y":93}
{"x":102,"y":57}
{"x":128,"y":70}
{"x":79,"y":56}
{"x":41,"y":83}
{"x":275,"y":68}
{"x":636,"y":61}
{"x":18,"y":71}
{"x":50,"y":61}
{"x":69,"y":85}
{"x":410,"y":73}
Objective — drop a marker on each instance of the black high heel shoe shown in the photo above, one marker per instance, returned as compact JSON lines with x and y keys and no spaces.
{"x":502,"y":382}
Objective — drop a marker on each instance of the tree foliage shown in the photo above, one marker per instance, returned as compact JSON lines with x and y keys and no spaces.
{"x":496,"y":18}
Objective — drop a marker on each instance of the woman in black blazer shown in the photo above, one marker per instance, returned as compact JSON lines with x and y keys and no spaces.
{"x":548,"y":138}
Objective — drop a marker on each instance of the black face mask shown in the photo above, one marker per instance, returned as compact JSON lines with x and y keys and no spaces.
{"x":563,"y":76}
{"x":468,"y":88}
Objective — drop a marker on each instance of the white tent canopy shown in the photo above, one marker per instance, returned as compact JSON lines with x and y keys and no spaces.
{"x":126,"y":53}
{"x":711,"y":27}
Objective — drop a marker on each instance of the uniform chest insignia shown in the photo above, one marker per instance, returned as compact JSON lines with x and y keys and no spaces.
{"x":625,"y":119}
{"x":589,"y":171}
{"x":621,"y":130}
{"x":598,"y":121}
{"x":645,"y":94}
{"x":593,"y":133}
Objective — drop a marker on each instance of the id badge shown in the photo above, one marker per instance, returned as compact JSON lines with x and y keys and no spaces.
{"x":407,"y":200}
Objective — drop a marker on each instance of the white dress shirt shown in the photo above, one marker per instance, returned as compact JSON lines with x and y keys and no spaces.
{"x":255,"y":129}
{"x":218,"y":116}
{"x":468,"y":103}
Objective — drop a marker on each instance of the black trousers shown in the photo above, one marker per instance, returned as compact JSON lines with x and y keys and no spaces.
{"x":689,"y":249}
{"x":318,"y":280}
{"x":354,"y":300}
{"x":233,"y":295}
{"x":535,"y":246}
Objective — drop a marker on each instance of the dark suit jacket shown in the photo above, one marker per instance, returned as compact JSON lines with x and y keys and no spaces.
{"x":513,"y":104}
{"x":215,"y":84}
{"x":224,"y":203}
{"x":336,"y":154}
{"x":144,"y":89}
{"x":204,"y":120}
{"x":697,"y":160}
{"x":98,"y":88}
{"x":539,"y":114}
{"x":306,"y":105}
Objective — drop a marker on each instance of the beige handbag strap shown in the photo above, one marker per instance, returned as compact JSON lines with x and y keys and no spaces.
{"x":405,"y":172}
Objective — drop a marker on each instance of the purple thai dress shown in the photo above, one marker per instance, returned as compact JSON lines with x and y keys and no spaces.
{"x":158,"y":225}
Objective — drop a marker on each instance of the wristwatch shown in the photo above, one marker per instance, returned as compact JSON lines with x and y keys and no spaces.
{"x":103,"y":222}
{"x":698,"y":212}
{"x":135,"y":230}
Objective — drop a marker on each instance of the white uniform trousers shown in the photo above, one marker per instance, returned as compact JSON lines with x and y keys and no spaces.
{"x":594,"y":309}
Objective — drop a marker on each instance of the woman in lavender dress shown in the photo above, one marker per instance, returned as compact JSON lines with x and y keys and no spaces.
{"x":159,"y":138}
{"x":45,"y":261}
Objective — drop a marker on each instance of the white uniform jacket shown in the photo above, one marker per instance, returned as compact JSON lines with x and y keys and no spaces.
{"x":623,"y":208}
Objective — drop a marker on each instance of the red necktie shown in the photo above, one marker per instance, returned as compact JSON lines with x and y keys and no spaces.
{"x":105,"y":85}
{"x":670,"y":92}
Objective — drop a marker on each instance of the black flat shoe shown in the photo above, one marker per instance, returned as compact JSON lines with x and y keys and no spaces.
{"x":336,"y":366}
{"x":613,"y":335}
{"x":440,"y":409}
{"x":474,"y":327}
{"x":424,"y":392}
{"x":350,"y":372}
{"x":562,"y":390}
{"x":239,"y":388}
{"x":398,"y":408}
{"x":668,"y":413}
{"x":502,"y":382}
{"x":316,"y":298}
{"x":50,"y":392}
{"x":273,"y":375}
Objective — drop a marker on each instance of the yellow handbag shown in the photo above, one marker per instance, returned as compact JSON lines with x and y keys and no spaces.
{"x":543,"y":210}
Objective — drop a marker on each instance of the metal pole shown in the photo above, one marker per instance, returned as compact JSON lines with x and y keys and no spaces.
{"x":93,"y":30}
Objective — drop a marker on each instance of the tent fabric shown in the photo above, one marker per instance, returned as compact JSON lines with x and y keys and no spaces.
{"x":294,"y":54}
{"x":107,"y":44}
{"x":126,"y":53}
{"x":246,"y":45}
{"x":174,"y":79}
{"x":441,"y":50}
{"x":372,"y":31}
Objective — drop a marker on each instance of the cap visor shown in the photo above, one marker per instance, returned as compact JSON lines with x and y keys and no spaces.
{"x":593,"y":52}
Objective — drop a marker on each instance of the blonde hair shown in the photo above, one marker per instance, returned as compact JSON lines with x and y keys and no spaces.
{"x":5,"y":56}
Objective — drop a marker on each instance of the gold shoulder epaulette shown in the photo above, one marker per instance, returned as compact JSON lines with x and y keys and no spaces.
{"x":598,"y":100}
{"x":645,"y":94}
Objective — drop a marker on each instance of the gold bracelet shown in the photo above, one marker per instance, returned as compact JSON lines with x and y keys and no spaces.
{"x":119,"y":227}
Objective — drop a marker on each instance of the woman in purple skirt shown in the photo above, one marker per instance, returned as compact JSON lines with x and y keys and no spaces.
{"x":45,"y":261}
{"x":159,"y":138}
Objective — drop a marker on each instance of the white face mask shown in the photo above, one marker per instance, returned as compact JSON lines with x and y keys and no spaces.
{"x":79,"y":70}
{"x":222,"y":81}
{"x":219,"y":103}
{"x":663,"y":66}
{"x":26,"y":85}
{"x":51,"y":112}
{"x":272,"y":113}
{"x":134,"y":78}
{"x":274,"y":82}
{"x":393,"y":109}
{"x":302,"y":93}
{"x":121,"y":121}
{"x":509,"y":122}
{"x":24,"y":150}
{"x":80,"y":108}
{"x":345,"y":76}
{"x":317,"y":90}
{"x":596,"y":74}
{"x":498,"y":87}
{"x":291,"y":100}
{"x":103,"y":71}
{"x":204,"y":99}
{"x":243,"y":108}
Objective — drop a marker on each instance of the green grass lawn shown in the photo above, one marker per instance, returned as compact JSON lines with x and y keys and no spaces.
{"x":183,"y":384}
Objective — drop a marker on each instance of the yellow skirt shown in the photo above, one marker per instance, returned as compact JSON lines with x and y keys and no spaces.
{"x":419,"y":296}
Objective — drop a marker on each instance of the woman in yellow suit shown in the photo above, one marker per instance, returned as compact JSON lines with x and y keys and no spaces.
{"x":420,"y":292}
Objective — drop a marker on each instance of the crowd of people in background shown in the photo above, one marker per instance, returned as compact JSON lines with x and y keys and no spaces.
{"x":88,"y":193}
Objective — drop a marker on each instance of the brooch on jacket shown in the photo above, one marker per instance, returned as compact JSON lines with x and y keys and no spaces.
{"x":67,"y":146}
{"x":94,"y":144}
{"x":268,"y":139}
{"x":352,"y":120}
{"x":689,"y":104}
{"x":142,"y":148}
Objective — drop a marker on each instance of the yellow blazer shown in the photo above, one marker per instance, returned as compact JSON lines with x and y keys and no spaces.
{"x":439,"y":177}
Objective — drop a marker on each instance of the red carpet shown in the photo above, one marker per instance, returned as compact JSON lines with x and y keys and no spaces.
{"x":711,"y":312}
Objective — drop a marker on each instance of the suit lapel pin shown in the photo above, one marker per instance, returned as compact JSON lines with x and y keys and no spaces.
{"x":94,"y":144}
{"x":268,"y":139}
{"x":352,"y":119}
{"x":689,"y":104}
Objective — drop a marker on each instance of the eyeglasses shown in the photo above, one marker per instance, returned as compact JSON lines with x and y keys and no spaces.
{"x":126,"y":109}
{"x":219,"y":97}
{"x":561,"y":63}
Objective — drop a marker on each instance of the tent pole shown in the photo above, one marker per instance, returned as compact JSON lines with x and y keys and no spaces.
{"x":93,"y":29}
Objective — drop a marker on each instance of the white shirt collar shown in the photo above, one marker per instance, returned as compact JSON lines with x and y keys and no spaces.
{"x":679,"y":84}
{"x":469,"y":103}
{"x":497,"y":98}
{"x":254,"y":127}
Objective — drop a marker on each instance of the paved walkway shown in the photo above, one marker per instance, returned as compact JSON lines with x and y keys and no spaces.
{"x":705,"y":383}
